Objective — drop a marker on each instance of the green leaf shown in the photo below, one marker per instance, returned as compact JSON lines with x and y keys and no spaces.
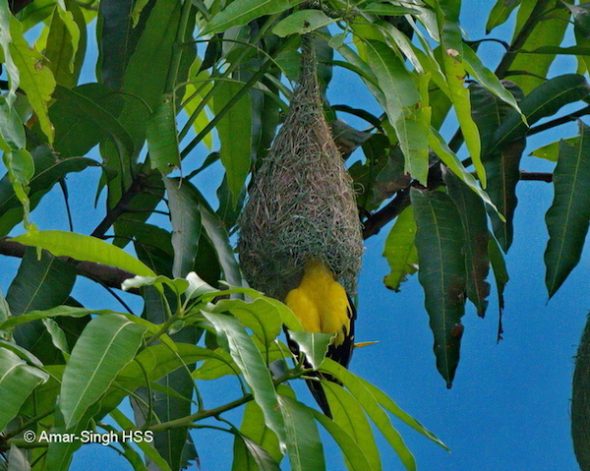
{"x":255,"y":372}
{"x":348,"y":413}
{"x":106,"y":346}
{"x":453,"y":54}
{"x":234,"y":130}
{"x":488,"y":79}
{"x":217,"y":234}
{"x":39,"y":284}
{"x":162,"y":137}
{"x":20,"y":169}
{"x":451,"y":160}
{"x":35,"y":78}
{"x":440,"y":243}
{"x":250,"y":456}
{"x":401,"y":100}
{"x":373,"y":410}
{"x":548,"y":30}
{"x":58,"y":336}
{"x":500,"y":276}
{"x":83,"y":248}
{"x":11,"y":127}
{"x":475,"y":229}
{"x":313,"y":345}
{"x":389,"y":404}
{"x":80,"y":101}
{"x":147,"y":448}
{"x":302,"y":22}
{"x":545,"y":100}
{"x":260,"y":315}
{"x":355,"y":456}
{"x":62,"y":45}
{"x":550,"y":151}
{"x":502,"y":161}
{"x":17,"y":382}
{"x":240,"y":12}
{"x":116,"y":40}
{"x":569,"y":215}
{"x":186,"y":225}
{"x":500,"y":13}
{"x":303,"y":440}
{"x":400,"y":250}
{"x":254,"y":428}
{"x":4,"y":309}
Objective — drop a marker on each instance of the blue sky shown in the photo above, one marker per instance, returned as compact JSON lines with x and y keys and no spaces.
{"x":509,"y":406}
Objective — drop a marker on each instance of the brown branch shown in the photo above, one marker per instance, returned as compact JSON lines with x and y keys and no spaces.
{"x":536,"y":176}
{"x":375,"y":222}
{"x":109,"y":276}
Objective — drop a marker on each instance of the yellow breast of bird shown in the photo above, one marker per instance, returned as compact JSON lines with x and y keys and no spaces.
{"x":320,"y":302}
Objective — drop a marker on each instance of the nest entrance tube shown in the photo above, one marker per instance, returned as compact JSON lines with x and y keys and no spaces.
{"x":301,"y":204}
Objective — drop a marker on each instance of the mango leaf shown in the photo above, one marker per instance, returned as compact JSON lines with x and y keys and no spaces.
{"x":302,"y":22}
{"x":401,"y":100}
{"x":453,"y":54}
{"x":186,"y":225}
{"x":116,"y":41}
{"x":260,"y":316}
{"x":451,"y":160}
{"x":500,"y":13}
{"x":63,"y":42}
{"x":255,"y":372}
{"x":314,"y":346}
{"x":373,"y":410}
{"x":234,"y":130}
{"x":20,"y":169}
{"x":475,"y":229}
{"x":5,"y":40}
{"x":254,"y":429}
{"x":39,"y":284}
{"x":303,"y":440}
{"x":400,"y":249}
{"x":569,"y":215}
{"x":385,"y":9}
{"x":162,"y":137}
{"x":240,"y":12}
{"x":440,"y":243}
{"x":147,"y":448}
{"x":86,"y":107}
{"x":550,"y":151}
{"x":250,"y":456}
{"x":35,"y":78}
{"x":106,"y":346}
{"x":83,"y":248}
{"x":488,"y":79}
{"x":354,"y":454}
{"x":549,"y":30}
{"x":500,"y":276}
{"x":17,"y":382}
{"x":348,"y":413}
{"x":217,"y":234}
{"x":545,"y":100}
{"x":390,"y":405}
{"x":502,"y":161}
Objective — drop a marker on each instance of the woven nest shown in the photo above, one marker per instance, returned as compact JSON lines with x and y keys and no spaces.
{"x":581,"y":402}
{"x":301,"y":204}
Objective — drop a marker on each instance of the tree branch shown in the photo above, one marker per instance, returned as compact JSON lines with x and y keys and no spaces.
{"x":108,"y":276}
{"x":389,"y":212}
{"x":559,"y":121}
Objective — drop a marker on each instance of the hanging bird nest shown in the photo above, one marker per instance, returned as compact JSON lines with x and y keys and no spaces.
{"x":301,"y":203}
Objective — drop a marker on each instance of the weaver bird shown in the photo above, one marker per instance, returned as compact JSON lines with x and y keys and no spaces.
{"x":322,"y":305}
